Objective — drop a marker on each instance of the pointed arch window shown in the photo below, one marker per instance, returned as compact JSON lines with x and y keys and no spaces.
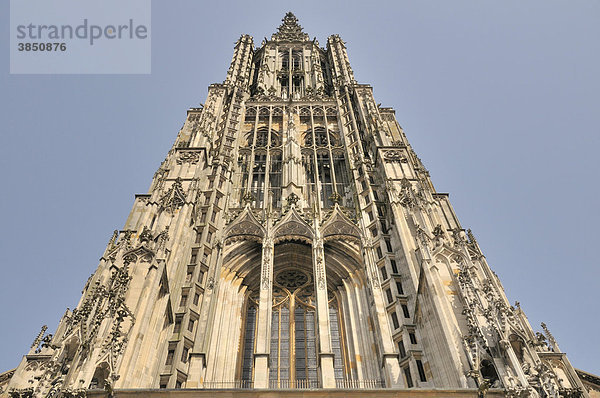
{"x":293,"y":349}
{"x":284,"y":58}
{"x":297,"y":60}
{"x":260,"y":159}
{"x":258,"y":177}
{"x":322,"y":138}
{"x":275,"y":177}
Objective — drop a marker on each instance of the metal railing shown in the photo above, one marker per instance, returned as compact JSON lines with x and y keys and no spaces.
{"x":347,"y":384}
{"x":294,"y":384}
{"x":359,"y":384}
{"x":222,"y":385}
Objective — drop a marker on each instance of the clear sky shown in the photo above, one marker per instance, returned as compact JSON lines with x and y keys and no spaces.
{"x":499,"y":98}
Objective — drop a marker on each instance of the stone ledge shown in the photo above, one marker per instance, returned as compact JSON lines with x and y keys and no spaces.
{"x":317,"y":393}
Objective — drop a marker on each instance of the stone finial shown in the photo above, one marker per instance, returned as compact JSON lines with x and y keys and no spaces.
{"x":113,"y":238}
{"x":335,"y":198}
{"x":248,"y":198}
{"x":550,"y":337}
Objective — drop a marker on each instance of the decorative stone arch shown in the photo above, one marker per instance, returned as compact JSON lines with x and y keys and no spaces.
{"x":245,"y":227}
{"x":174,"y":198}
{"x":339,"y":227}
{"x":448,"y":254}
{"x":293,"y":254}
{"x":70,"y":347}
{"x":342,"y":259}
{"x":140,"y":253}
{"x":293,"y":228}
{"x":348,"y":282}
{"x":451,"y":259}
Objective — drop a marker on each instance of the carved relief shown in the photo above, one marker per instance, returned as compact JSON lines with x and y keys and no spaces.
{"x":141,"y":253}
{"x":267,"y":256}
{"x":320,"y":265}
{"x":391,"y":156}
{"x":192,"y":157}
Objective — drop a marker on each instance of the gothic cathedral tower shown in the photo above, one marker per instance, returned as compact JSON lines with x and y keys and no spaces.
{"x":292,"y":239}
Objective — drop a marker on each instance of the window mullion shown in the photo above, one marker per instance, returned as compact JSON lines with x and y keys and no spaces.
{"x":251,"y":165}
{"x":266,"y":196}
{"x":316,"y":161}
{"x":333,"y":178}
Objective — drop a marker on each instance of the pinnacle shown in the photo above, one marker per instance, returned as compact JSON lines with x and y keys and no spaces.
{"x":290,"y":30}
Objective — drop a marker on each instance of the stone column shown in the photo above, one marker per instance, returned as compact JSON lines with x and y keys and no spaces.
{"x":322,"y":306}
{"x":263,"y":332}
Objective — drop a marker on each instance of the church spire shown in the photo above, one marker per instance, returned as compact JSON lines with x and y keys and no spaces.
{"x":290,"y":30}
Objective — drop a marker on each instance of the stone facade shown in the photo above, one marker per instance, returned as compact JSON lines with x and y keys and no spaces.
{"x":293,"y":240}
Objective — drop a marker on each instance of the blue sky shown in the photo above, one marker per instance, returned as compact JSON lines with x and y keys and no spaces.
{"x":499,"y":99}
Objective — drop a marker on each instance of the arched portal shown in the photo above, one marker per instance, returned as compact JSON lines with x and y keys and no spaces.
{"x":294,"y":333}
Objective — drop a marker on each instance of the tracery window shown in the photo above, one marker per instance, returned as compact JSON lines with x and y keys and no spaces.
{"x":259,"y":160}
{"x":275,"y":178}
{"x":323,"y":153}
{"x":284,"y":59}
{"x":324,"y":168}
{"x":320,"y":136}
{"x":258,"y":177}
{"x":297,"y":60}
{"x":290,"y":71}
{"x":340,"y":171}
{"x":293,"y":350}
{"x":293,"y":356}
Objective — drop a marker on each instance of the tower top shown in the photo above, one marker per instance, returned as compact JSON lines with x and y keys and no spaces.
{"x":290,"y":30}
